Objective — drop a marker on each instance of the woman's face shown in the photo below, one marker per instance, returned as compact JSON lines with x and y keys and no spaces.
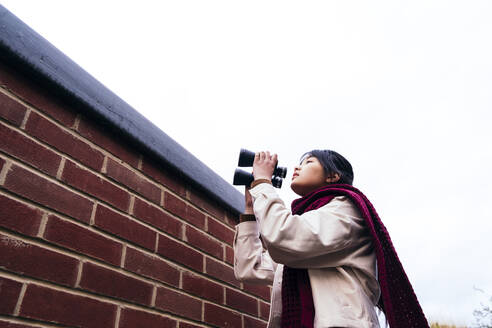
{"x":309,"y":176}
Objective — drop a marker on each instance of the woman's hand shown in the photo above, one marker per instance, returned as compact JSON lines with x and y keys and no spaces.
{"x":264,"y":165}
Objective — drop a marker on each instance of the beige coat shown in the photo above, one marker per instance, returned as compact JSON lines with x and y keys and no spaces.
{"x":332,"y":242}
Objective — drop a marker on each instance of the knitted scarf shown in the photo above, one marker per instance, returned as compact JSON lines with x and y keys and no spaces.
{"x":398,"y":300}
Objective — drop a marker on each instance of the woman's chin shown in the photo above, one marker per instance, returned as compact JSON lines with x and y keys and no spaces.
{"x":303,"y":190}
{"x":297,"y":189}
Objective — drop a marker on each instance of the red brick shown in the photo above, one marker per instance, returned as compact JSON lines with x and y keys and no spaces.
{"x":258,"y":290}
{"x":9,"y":293}
{"x":40,"y":190}
{"x":11,"y":110}
{"x":82,"y":240}
{"x":203,"y":242}
{"x":229,"y":255}
{"x":221,"y":231}
{"x":221,"y":271}
{"x":28,"y":151}
{"x":241,"y":302}
{"x":184,"y":211}
{"x":203,"y":288}
{"x":165,"y":177}
{"x":19,"y":217}
{"x":204,"y":202}
{"x":133,"y":181}
{"x":174,"y":205}
{"x":63,"y":308}
{"x":254,"y":323}
{"x":156,"y":217}
{"x":131,"y":318}
{"x":34,"y":94}
{"x":115,"y":223}
{"x":221,"y":317}
{"x":107,"y":282}
{"x":177,"y":303}
{"x":65,"y":142}
{"x":151,"y":266}
{"x":84,"y":180}
{"x":179,"y":253}
{"x":264,"y":310}
{"x":100,"y":134}
{"x":34,"y":261}
{"x":195,"y":217}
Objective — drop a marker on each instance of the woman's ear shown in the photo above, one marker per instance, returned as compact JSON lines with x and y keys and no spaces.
{"x":333,"y":178}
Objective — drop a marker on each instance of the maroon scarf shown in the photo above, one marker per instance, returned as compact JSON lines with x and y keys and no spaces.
{"x":398,"y":300}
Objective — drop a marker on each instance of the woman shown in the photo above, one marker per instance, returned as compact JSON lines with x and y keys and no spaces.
{"x":321,"y":256}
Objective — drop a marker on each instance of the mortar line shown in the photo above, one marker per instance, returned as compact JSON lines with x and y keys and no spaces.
{"x":20,"y":299}
{"x":42,"y":225}
{"x":104,"y":168}
{"x":79,"y":274}
{"x":24,"y":120}
{"x":92,"y":220}
{"x":131,"y":206}
{"x":60,"y":168}
{"x":123,"y":256}
{"x":140,"y":162}
{"x":117,"y":318}
{"x":154,"y":296}
{"x":5,"y":170}
{"x":76,"y":123}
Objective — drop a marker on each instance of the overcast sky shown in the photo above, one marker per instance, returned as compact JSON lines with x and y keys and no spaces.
{"x":402,"y":89}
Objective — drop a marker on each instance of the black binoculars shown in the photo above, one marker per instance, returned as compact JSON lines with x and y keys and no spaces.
{"x":243,"y":178}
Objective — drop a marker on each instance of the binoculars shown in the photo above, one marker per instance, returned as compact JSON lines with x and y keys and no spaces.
{"x":243,"y":178}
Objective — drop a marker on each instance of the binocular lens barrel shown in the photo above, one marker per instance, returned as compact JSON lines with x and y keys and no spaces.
{"x":247,"y":157}
{"x":277,"y":182}
{"x":243,"y":178}
{"x":280,"y":171}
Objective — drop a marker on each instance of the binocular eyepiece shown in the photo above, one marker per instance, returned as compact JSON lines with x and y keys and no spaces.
{"x":243,"y":178}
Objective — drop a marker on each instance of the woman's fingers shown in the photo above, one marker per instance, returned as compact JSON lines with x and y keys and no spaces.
{"x":265,"y":156}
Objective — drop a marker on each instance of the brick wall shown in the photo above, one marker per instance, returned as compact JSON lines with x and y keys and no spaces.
{"x":96,"y":234}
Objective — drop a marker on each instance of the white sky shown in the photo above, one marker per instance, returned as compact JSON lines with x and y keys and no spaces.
{"x":402,"y":89}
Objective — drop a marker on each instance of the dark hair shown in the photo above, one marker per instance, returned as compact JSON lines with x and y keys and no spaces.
{"x":333,"y":163}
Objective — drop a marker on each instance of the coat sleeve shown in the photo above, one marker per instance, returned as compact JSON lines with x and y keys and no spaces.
{"x":252,"y":263}
{"x":319,"y":238}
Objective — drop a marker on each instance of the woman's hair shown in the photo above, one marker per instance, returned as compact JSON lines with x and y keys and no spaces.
{"x":333,"y":163}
